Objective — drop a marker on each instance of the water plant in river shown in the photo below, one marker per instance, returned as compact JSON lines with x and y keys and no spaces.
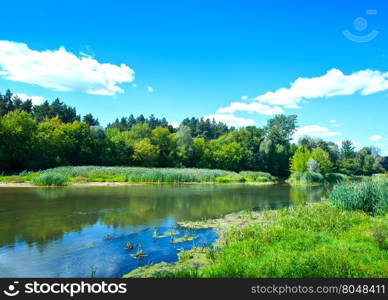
{"x":139,"y":253}
{"x":128,"y":246}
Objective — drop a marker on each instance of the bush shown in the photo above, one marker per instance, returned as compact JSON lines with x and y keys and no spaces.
{"x":51,"y":178}
{"x":370,"y":196}
{"x":335,"y":177}
{"x":306,"y":178}
{"x":257,"y":176}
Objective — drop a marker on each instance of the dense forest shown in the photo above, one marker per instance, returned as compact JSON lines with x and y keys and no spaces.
{"x":52,"y":134}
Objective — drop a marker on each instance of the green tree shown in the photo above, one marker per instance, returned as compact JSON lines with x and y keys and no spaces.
{"x":144,"y":153}
{"x":323,"y":160}
{"x":300,"y":159}
{"x":17,"y":140}
{"x":90,"y":120}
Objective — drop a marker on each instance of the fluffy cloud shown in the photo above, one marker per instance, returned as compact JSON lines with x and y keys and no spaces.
{"x":333,"y":83}
{"x":150,"y":89}
{"x":61,"y":70}
{"x":231,"y":120}
{"x":314,"y":131}
{"x":376,"y":138}
{"x":35,"y":99}
{"x":244,"y":98}
{"x":251,"y":108}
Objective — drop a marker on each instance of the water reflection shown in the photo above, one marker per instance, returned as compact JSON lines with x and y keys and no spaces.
{"x":60,"y":231}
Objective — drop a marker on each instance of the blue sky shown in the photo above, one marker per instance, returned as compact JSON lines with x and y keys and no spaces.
{"x":178,"y":59}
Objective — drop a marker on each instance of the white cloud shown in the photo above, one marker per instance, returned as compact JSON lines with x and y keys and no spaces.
{"x":314,"y":131}
{"x":376,"y":138}
{"x":244,"y":98}
{"x":174,"y":124}
{"x":35,"y":99}
{"x":333,"y":121}
{"x":150,"y":89}
{"x":251,"y":107}
{"x":231,"y":120}
{"x":61,"y":70}
{"x":333,"y":83}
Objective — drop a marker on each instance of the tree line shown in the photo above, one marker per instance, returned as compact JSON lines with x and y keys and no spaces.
{"x":34,"y":137}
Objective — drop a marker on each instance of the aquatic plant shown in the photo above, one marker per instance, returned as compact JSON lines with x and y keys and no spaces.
{"x":128,"y":246}
{"x":139,"y":253}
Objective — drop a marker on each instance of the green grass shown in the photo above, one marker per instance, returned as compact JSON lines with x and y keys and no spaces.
{"x":83,"y":174}
{"x":51,"y":178}
{"x":371,"y":196}
{"x":139,"y":174}
{"x":317,"y":240}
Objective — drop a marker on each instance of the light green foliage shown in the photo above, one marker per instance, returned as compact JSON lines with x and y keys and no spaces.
{"x":139,"y":131}
{"x":144,"y":153}
{"x":227,"y":156}
{"x":17,"y":140}
{"x":323,"y":160}
{"x":300,"y":159}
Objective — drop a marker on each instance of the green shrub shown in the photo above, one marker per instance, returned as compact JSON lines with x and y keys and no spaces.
{"x":306,"y":178}
{"x":51,"y":178}
{"x":335,"y":177}
{"x":370,"y":196}
{"x":252,"y":176}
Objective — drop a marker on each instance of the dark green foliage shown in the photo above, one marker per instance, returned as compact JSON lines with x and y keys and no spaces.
{"x":369,"y":196}
{"x":335,"y":177}
{"x":205,"y":128}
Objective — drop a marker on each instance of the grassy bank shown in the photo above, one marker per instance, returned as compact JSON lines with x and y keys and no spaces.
{"x":313,"y":178}
{"x":317,"y":240}
{"x":87,"y":174}
{"x":345,"y":236}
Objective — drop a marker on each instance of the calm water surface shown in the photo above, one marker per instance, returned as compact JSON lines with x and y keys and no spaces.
{"x":61,"y":232}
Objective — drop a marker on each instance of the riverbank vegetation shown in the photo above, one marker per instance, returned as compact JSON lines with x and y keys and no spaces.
{"x":49,"y":135}
{"x":84,"y":174}
{"x":346,"y":236}
{"x":315,"y":162}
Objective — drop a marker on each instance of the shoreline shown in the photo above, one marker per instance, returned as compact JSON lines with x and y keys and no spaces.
{"x":115,"y":183}
{"x":198,"y":257}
